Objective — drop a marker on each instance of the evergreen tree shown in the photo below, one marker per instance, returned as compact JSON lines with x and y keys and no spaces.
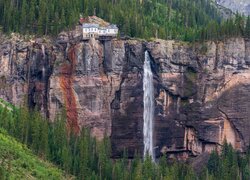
{"x":44,"y":145}
{"x":24,"y":11}
{"x":247,"y":28}
{"x":214,"y":164}
{"x":35,"y":132}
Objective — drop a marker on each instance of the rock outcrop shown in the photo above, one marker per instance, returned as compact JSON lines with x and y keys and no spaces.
{"x":201,"y":89}
{"x":241,"y":6}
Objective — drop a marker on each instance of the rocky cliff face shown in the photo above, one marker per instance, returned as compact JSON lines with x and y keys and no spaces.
{"x":201,"y":90}
{"x":241,"y":6}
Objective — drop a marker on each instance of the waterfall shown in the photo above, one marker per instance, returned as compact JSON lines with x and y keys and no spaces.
{"x":148,"y":113}
{"x":43,"y":51}
{"x":43,"y":73}
{"x":43,"y":68}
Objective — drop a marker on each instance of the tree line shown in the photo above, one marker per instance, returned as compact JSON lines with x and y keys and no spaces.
{"x":87,"y":158}
{"x":239,"y":26}
{"x":188,"y":20}
{"x":81,"y":155}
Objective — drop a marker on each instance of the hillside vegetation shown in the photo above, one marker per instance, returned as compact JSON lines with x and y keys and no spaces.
{"x":167,"y":19}
{"x":18,"y":162}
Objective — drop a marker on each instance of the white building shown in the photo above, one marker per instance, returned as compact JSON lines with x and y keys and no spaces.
{"x":102,"y":31}
{"x":112,"y":30}
{"x":96,"y":31}
{"x":90,"y":30}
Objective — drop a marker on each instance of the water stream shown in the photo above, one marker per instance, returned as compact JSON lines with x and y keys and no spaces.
{"x":148,"y":113}
{"x":43,"y":68}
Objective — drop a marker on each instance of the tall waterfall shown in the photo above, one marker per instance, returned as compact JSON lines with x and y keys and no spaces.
{"x":148,"y":114}
{"x":43,"y":68}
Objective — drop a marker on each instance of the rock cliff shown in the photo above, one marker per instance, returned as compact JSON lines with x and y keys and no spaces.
{"x":241,"y":6}
{"x":201,"y":89}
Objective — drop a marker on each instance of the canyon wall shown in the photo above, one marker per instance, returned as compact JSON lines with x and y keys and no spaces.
{"x":201,"y":89}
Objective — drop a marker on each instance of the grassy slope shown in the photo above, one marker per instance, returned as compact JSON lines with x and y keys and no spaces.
{"x":18,"y":162}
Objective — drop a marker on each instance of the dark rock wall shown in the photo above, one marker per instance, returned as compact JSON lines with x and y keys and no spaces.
{"x":127,"y":105}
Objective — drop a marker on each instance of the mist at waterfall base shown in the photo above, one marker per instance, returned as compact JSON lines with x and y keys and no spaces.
{"x":148,"y":113}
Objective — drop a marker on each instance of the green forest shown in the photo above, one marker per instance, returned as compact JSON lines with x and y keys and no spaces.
{"x":188,"y":20}
{"x":84,"y":157}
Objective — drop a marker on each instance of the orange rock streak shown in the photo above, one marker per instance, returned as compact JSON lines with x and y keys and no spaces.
{"x":66,"y":83}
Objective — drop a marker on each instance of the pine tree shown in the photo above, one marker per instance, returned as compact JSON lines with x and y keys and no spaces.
{"x":44,"y":147}
{"x":35,"y":132}
{"x":214,"y":163}
{"x":24,"y":15}
{"x":42,"y":24}
{"x":247,"y":28}
{"x":66,"y":158}
{"x":148,"y":168}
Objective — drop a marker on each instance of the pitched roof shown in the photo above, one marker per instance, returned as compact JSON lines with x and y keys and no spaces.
{"x":112,"y":26}
{"x":97,"y":20}
{"x":89,"y":25}
{"x":102,"y":28}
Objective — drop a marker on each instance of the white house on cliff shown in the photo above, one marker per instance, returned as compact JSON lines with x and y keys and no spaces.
{"x":91,"y":30}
